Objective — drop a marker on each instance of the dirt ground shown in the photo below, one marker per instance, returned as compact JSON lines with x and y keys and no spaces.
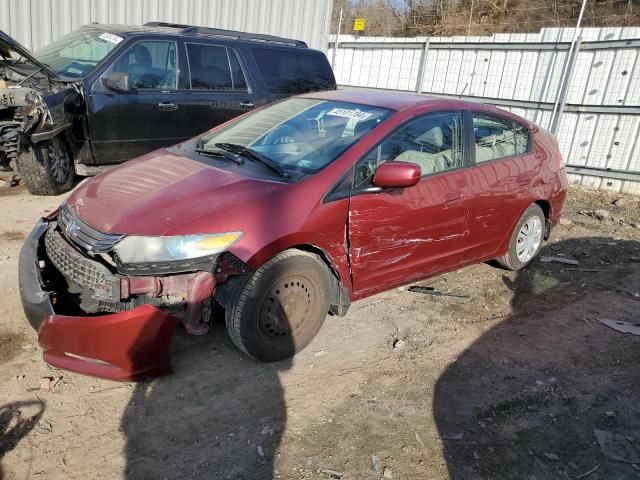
{"x":506,"y":384}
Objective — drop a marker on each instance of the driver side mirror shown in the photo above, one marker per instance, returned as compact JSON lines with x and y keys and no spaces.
{"x":397,"y":175}
{"x":116,"y":81}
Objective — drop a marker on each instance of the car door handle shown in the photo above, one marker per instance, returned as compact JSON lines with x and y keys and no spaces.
{"x":247,"y":105}
{"x":167,"y":106}
{"x":453,"y":198}
{"x":524,"y":178}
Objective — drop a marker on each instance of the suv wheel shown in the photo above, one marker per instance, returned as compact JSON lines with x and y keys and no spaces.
{"x":281,"y":306}
{"x":526,"y":240}
{"x":47,"y":169}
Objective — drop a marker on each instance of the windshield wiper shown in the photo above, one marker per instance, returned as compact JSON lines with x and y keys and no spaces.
{"x":252,"y":154}
{"x":221,"y":153}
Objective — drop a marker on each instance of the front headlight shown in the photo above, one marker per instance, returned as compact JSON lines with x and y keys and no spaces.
{"x":136,"y":249}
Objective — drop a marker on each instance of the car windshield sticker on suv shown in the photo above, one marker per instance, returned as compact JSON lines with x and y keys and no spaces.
{"x":110,"y":37}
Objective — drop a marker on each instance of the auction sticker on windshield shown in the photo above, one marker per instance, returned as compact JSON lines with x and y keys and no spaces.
{"x":110,"y":37}
{"x":348,"y":113}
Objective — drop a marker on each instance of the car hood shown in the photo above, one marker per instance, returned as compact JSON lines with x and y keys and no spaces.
{"x":163,"y":193}
{"x":8,"y":44}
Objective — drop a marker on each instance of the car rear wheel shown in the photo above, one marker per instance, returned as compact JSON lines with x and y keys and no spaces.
{"x":526,"y":240}
{"x":47,"y":168}
{"x":281,"y":307}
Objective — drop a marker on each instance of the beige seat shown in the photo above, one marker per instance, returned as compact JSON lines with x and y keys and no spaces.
{"x":493,"y":147}
{"x":432,"y":139}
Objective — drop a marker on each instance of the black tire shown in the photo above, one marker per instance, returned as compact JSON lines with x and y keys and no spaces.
{"x":47,"y":168}
{"x":510,"y":260}
{"x":257,"y":322}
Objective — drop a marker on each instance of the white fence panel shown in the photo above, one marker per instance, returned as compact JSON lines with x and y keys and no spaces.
{"x":522,"y":72}
{"x":35,"y":23}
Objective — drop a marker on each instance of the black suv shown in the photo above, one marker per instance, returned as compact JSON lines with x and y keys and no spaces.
{"x":107,"y":93}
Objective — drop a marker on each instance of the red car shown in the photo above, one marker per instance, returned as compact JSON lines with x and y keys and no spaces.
{"x":279,"y":217}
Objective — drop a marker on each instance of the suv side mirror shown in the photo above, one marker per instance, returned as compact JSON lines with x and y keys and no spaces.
{"x":116,"y":81}
{"x":397,"y":174}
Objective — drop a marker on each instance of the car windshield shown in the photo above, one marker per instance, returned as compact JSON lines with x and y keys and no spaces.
{"x":77,"y":53}
{"x":301,"y":135}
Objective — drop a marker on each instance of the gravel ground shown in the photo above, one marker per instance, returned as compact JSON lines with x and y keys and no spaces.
{"x":508,"y":383}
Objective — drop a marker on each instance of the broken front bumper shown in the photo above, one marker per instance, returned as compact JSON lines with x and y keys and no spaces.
{"x":129,"y":345}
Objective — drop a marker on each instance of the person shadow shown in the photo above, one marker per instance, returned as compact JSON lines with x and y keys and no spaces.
{"x":220,"y":416}
{"x":522,"y":402}
{"x":17,"y":419}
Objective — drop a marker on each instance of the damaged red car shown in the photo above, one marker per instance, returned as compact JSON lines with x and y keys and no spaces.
{"x":280,"y":217}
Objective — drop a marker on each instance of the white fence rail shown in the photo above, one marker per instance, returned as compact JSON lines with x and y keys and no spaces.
{"x":599,"y":130}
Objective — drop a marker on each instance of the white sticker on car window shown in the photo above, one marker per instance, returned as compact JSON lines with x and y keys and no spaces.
{"x":348,"y":113}
{"x":110,"y":37}
{"x":304,"y":163}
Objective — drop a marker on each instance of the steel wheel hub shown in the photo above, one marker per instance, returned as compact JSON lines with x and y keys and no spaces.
{"x":529,"y":239}
{"x":286,"y":307}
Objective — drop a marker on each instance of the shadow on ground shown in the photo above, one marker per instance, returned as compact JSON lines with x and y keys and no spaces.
{"x":219,"y":416}
{"x":555,"y":373}
{"x":16,"y":421}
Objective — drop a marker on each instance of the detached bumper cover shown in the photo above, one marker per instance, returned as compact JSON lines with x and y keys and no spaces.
{"x":130,"y":345}
{"x":35,"y":301}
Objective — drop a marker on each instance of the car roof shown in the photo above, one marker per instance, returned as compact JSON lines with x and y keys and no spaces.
{"x":399,"y":101}
{"x":193,"y":31}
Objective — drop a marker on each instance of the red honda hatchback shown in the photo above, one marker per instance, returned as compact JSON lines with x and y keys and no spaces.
{"x":282,"y":216}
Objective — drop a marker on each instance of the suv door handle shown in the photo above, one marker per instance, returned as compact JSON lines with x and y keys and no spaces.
{"x":453,"y":198}
{"x":247,"y":105}
{"x":167,"y":106}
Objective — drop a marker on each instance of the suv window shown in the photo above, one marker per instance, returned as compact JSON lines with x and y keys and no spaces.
{"x":292,"y":72}
{"x":214,"y":68}
{"x":150,"y":65}
{"x":433,"y":141}
{"x":497,"y":138}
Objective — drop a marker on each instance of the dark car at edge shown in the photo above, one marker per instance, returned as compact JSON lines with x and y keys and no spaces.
{"x":106,"y":93}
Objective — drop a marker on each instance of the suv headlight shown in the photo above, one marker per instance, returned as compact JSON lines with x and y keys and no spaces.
{"x":138,"y":249}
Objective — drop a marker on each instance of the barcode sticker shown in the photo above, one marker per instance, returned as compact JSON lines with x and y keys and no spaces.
{"x":110,"y":37}
{"x":347,"y":113}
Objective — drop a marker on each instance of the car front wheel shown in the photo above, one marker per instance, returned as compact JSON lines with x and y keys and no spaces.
{"x":47,"y":168}
{"x":526,"y":240}
{"x":281,"y":307}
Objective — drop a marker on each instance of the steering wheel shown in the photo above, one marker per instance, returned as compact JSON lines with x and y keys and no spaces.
{"x":281,"y":135}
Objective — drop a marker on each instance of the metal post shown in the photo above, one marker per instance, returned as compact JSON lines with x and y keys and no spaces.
{"x":335,"y":42}
{"x":422,"y":67}
{"x":563,"y":87}
{"x":470,"y":17}
{"x":564,"y":91}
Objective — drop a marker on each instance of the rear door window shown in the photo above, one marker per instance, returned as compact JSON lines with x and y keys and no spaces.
{"x":292,"y":72}
{"x":215,"y":68}
{"x":497,"y":138}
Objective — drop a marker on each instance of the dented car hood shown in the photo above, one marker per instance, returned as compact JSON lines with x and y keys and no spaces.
{"x":8,"y":44}
{"x":147,"y":196}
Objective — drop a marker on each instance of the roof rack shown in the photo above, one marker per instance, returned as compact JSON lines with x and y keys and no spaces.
{"x":219,"y":32}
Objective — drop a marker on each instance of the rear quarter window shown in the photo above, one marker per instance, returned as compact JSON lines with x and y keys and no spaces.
{"x":290,"y":72}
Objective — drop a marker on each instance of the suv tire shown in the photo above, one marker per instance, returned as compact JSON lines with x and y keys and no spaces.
{"x":281,"y":307}
{"x":47,"y":168}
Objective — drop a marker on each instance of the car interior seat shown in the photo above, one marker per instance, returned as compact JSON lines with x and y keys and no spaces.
{"x":431,"y":155}
{"x":142,"y":66}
